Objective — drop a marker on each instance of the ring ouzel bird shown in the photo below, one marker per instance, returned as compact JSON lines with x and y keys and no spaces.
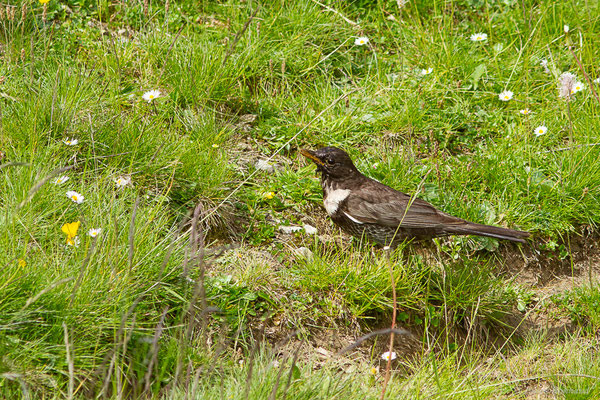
{"x":361,"y":206}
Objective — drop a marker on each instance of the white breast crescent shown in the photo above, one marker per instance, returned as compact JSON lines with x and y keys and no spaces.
{"x":333,"y":200}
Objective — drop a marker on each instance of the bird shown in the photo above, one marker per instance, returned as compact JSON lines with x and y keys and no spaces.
{"x":364,"y":207}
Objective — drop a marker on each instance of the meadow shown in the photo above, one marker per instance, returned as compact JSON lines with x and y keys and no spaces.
{"x":161,"y":236}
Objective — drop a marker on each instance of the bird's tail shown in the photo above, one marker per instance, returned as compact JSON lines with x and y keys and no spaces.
{"x":471,"y":228}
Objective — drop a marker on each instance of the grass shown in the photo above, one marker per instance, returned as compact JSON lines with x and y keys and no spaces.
{"x":153,"y":306}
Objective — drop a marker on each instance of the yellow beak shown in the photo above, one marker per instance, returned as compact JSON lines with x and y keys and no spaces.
{"x":311,"y":155}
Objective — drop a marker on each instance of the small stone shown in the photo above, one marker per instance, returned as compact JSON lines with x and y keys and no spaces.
{"x":304,"y":252}
{"x":289,"y":229}
{"x":323,"y":352}
{"x":248,"y":118}
{"x":309,"y":229}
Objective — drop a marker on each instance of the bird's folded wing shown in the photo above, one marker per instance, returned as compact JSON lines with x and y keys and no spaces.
{"x":391,"y":211}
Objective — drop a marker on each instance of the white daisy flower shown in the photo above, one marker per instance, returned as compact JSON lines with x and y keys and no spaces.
{"x":361,"y":41}
{"x":70,"y":142}
{"x":540,"y":130}
{"x":122,"y":181}
{"x":94,"y":232}
{"x":76,"y":197}
{"x":60,"y":180}
{"x":577,"y":87}
{"x":525,"y":111}
{"x":479,"y":37}
{"x":426,"y":71}
{"x":506,"y":95}
{"x":566,"y":28}
{"x":151,"y":95}
{"x":388,"y":356}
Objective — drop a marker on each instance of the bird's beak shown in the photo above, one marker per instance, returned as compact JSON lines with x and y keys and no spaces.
{"x":312,"y":156}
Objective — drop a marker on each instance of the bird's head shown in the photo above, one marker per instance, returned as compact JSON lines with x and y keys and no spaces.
{"x":333,"y":163}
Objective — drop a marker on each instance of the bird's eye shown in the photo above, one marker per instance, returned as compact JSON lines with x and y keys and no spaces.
{"x":330,"y":161}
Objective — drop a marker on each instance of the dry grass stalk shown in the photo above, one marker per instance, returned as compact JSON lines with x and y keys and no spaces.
{"x":10,"y":12}
{"x":154,"y":350}
{"x":132,"y":232}
{"x":69,"y":362}
{"x":82,"y":271}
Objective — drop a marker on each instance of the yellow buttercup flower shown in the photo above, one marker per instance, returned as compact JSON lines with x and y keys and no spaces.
{"x":44,"y":1}
{"x":70,"y":229}
{"x":22,"y":263}
{"x":269,"y":195}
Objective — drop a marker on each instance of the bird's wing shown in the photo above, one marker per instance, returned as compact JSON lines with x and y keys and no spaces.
{"x":386,"y":206}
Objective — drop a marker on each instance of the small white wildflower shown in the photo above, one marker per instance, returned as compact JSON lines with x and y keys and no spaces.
{"x":73,"y":241}
{"x":60,"y":180}
{"x":76,"y":197}
{"x":70,"y":142}
{"x":525,"y":111}
{"x":566,"y":28}
{"x":361,"y":41}
{"x":479,"y":37}
{"x":151,"y":95}
{"x":94,"y":232}
{"x":505,"y":95}
{"x":426,"y":71}
{"x":540,"y":130}
{"x":544,"y":63}
{"x":388,"y":356}
{"x":122,"y":181}
{"x":597,"y":80}
{"x":565,"y":85}
{"x":577,"y":87}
